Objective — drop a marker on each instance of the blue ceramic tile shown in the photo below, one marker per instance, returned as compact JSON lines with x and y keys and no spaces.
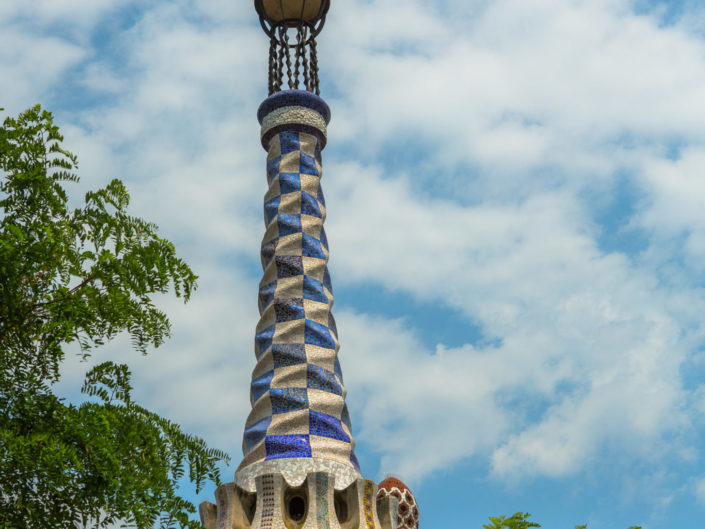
{"x":289,"y":266}
{"x":267,"y":252}
{"x":289,"y":183}
{"x":307,"y":164}
{"x":313,"y":290}
{"x":324,"y":239}
{"x":289,"y":141}
{"x":319,"y":378}
{"x":345,"y":416}
{"x":278,"y":446}
{"x":255,"y":433}
{"x":326,"y":426}
{"x":271,"y":208}
{"x":311,"y":247}
{"x":317,"y":334}
{"x":309,"y":205}
{"x":289,"y":224}
{"x":288,"y":354}
{"x":338,"y":370}
{"x":260,"y":385}
{"x":331,"y":324}
{"x":288,"y":399}
{"x":287,"y":309}
{"x":317,"y":151}
{"x":266,"y":294}
{"x":263,"y":340}
{"x":273,"y":168}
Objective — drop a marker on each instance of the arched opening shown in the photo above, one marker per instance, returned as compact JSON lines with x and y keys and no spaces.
{"x":341,"y":507}
{"x":296,"y":507}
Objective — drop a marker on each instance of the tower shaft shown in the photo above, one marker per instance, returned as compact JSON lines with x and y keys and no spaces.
{"x":299,"y":422}
{"x":299,"y":469}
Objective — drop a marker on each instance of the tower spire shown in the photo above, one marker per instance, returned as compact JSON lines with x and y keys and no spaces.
{"x":299,"y":422}
{"x":299,"y":469}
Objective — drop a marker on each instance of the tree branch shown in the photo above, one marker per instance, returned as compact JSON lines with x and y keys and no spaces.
{"x":72,"y":291}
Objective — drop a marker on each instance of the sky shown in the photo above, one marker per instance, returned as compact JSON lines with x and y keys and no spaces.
{"x":515,"y":194}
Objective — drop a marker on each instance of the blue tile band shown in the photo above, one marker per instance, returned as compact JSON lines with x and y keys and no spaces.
{"x":299,"y":419}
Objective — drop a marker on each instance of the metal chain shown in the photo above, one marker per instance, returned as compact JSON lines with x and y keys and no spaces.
{"x":314,"y":68}
{"x":280,"y":64}
{"x":299,"y":53}
{"x":287,"y":51}
{"x":307,"y":60}
{"x":273,"y":77}
{"x":307,"y":71}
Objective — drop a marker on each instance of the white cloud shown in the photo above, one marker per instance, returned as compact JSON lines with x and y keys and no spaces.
{"x":419,"y":411}
{"x":30,"y":66}
{"x":532,"y":276}
{"x":526,"y":86}
{"x":423,"y":410}
{"x":72,"y":16}
{"x":676,"y":191}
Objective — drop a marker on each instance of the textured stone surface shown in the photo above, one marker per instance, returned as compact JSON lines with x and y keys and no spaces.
{"x":325,"y":508}
{"x":293,"y":115}
{"x":295,"y":470}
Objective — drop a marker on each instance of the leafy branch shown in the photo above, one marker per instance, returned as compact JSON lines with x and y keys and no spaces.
{"x":82,"y":276}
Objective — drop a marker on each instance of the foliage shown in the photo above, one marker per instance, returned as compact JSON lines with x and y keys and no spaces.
{"x":519,"y":521}
{"x":516,"y":521}
{"x":82,"y":276}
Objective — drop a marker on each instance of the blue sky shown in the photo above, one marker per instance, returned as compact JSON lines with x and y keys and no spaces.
{"x":515,"y":202}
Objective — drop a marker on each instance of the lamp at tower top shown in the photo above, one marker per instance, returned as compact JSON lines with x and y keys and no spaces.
{"x":292,"y":27}
{"x":273,"y":13}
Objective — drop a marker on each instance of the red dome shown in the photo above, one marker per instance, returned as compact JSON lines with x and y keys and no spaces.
{"x":408,"y":511}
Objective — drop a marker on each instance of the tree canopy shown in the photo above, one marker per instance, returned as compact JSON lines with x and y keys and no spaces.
{"x":78,"y":277}
{"x":520,"y":520}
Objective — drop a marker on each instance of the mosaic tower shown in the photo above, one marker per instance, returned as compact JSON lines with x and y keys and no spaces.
{"x":299,"y":468}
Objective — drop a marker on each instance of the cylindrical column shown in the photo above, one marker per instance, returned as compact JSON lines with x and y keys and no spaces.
{"x":299,"y":422}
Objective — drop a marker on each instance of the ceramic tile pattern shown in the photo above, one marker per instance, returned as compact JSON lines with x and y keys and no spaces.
{"x":268,"y":502}
{"x":367,"y":500}
{"x":297,"y":392}
{"x":407,"y":510}
{"x":322,"y":501}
